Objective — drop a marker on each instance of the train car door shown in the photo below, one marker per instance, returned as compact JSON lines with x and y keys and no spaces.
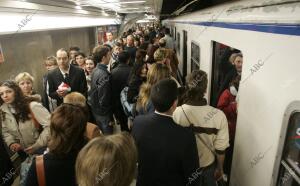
{"x":223,"y":72}
{"x":184,"y":73}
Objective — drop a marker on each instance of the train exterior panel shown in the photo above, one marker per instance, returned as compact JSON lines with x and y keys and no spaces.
{"x":268,"y":34}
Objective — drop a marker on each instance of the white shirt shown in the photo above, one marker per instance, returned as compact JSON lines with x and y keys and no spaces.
{"x":207,"y":117}
{"x":162,"y":114}
{"x":64,"y":73}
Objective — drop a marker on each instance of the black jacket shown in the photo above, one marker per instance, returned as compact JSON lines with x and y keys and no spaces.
{"x":119,"y":81}
{"x":168,"y":153}
{"x":100,"y":95}
{"x":58,"y":171}
{"x":77,"y":82}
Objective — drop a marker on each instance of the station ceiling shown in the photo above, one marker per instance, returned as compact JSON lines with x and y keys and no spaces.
{"x":110,"y":6}
{"x":160,"y":8}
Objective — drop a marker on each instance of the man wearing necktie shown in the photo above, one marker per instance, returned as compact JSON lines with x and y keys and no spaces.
{"x":66,"y":78}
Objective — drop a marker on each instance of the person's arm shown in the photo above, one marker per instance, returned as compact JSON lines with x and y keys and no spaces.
{"x":52,"y":90}
{"x":220,"y":162}
{"x":224,"y":104}
{"x":220,"y":144}
{"x":7,"y":136}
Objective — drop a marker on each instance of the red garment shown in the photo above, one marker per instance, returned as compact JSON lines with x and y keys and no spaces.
{"x":228,"y":105}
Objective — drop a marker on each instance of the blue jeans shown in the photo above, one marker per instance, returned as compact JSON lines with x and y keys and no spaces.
{"x":103,"y":123}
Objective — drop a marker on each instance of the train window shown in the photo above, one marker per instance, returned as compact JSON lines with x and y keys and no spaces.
{"x":289,"y":172}
{"x":178,"y":43}
{"x":195,"y":56}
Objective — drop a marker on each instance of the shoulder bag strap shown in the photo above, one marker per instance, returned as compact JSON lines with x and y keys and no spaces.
{"x":198,"y":136}
{"x":40,"y":170}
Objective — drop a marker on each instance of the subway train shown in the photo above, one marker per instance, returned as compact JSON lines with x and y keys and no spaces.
{"x":267,"y":146}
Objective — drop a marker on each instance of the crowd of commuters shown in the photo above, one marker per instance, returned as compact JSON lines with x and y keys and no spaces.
{"x":170,"y":136}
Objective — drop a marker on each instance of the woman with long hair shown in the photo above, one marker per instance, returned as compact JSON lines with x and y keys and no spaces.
{"x":156,"y":73}
{"x":67,"y":127}
{"x":22,"y":119}
{"x":137,"y":75}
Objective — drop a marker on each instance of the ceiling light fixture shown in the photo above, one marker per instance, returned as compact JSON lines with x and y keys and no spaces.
{"x":117,"y":14}
{"x":78,"y":7}
{"x":131,"y":2}
{"x":130,"y":8}
{"x":104,"y":13}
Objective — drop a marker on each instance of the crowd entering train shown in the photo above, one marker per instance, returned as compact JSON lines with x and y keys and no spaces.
{"x":170,"y":135}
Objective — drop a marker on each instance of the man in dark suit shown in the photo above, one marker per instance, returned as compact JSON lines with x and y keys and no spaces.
{"x":66,"y":78}
{"x":119,"y":81}
{"x":167,"y":152}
